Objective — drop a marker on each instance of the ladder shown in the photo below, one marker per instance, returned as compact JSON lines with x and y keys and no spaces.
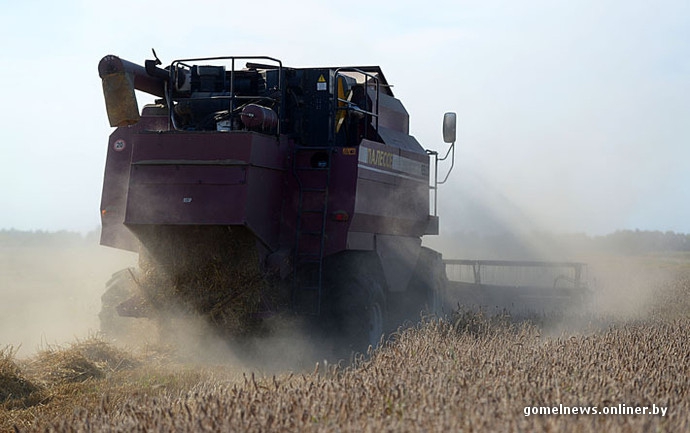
{"x":311,"y":167}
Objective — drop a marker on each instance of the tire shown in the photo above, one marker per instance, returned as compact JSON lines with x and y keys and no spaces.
{"x":431,"y":263}
{"x":118,"y":289}
{"x":365,"y":318}
{"x":356,"y":303}
{"x":424,"y":296}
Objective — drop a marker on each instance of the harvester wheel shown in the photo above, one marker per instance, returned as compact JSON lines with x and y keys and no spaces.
{"x":425,"y":291}
{"x":119,"y":288}
{"x":431,"y":266}
{"x":363,"y":315}
{"x":357,"y":300}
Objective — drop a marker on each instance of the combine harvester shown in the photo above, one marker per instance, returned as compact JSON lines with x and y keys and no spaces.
{"x":261,"y":190}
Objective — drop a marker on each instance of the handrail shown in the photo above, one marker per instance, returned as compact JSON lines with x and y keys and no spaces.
{"x":531,"y":263}
{"x":186,"y":63}
{"x":477,"y":265}
{"x":348,"y":106}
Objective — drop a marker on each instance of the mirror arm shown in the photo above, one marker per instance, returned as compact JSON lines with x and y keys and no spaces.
{"x":452,"y":147}
{"x":452,"y":162}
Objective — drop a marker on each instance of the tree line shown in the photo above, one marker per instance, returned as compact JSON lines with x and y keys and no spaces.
{"x":18,"y":238}
{"x":536,"y":245}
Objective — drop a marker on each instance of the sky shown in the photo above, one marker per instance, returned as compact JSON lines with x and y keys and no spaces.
{"x":572,"y":116}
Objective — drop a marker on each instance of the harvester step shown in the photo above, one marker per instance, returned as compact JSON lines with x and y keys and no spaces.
{"x":309,"y":262}
{"x":312,"y":168}
{"x":313,"y":148}
{"x":314,"y":189}
{"x":309,"y":255}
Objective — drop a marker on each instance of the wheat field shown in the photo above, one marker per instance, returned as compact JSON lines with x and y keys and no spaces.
{"x":469,"y":372}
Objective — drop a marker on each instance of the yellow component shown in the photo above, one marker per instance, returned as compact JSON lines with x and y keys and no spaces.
{"x":380,"y":158}
{"x":120,"y":100}
{"x":349,"y":151}
{"x":340,"y":114}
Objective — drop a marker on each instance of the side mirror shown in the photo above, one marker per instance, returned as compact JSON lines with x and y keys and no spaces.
{"x":449,"y":122}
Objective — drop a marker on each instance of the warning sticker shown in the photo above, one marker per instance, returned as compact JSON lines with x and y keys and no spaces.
{"x":119,"y":145}
{"x":321,"y":83}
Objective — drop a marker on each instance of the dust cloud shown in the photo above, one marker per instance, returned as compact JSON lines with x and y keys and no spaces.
{"x":50,"y":292}
{"x":288,"y":344}
{"x":51,"y":296}
{"x":620,"y":286}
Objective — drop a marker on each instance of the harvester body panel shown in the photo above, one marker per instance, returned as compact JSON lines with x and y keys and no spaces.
{"x":201,"y":178}
{"x":158,"y":173}
{"x":390,"y":183}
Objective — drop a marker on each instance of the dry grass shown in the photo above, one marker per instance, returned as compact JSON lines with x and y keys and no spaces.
{"x":92,"y":358}
{"x":14,"y":386}
{"x":471,"y":373}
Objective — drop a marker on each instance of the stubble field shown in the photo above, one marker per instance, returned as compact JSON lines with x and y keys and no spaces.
{"x":470,"y":372}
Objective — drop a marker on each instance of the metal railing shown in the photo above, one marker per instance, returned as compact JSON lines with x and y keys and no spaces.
{"x":517,"y":273}
{"x":343,"y":102}
{"x":178,"y":66}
